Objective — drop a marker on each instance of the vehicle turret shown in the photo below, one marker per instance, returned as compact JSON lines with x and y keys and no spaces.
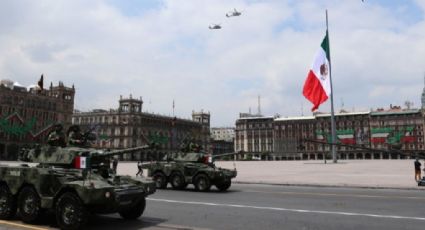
{"x":73,"y":157}
{"x":72,"y":182}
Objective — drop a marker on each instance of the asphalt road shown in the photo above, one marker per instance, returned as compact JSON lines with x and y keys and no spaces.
{"x":272,"y":207}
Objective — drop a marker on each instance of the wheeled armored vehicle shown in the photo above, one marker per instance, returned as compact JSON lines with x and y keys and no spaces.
{"x":73,"y":182}
{"x":183,"y":168}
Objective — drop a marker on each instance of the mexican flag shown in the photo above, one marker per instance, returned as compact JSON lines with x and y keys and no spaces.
{"x":80,"y":162}
{"x":317,"y":86}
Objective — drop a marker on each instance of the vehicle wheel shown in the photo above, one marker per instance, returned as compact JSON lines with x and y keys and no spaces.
{"x":224,"y":186}
{"x":29,"y":205}
{"x":134,"y":211}
{"x":7,"y":203}
{"x":177,"y":181}
{"x":160,"y":180}
{"x":202,"y":183}
{"x":70,"y":212}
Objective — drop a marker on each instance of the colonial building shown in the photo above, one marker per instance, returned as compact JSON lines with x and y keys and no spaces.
{"x":128,"y":126}
{"x":382,"y":134}
{"x":254,"y":136}
{"x":28,"y":114}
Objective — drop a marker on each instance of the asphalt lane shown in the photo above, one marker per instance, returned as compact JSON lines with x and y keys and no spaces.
{"x":290,"y":207}
{"x":252,"y":206}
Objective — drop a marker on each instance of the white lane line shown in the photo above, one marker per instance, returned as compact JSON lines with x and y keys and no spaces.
{"x":291,"y":210}
{"x":341,"y":195}
{"x":21,"y":225}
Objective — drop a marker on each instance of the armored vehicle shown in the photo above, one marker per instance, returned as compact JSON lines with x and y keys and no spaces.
{"x":73,"y":182}
{"x":183,"y":168}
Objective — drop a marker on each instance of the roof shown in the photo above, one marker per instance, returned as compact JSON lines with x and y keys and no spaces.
{"x":255,"y":118}
{"x":343,"y":114}
{"x":295,"y":118}
{"x":394,"y":112}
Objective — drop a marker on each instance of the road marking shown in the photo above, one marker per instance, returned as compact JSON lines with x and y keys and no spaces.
{"x":21,"y":225}
{"x":342,"y":195}
{"x":291,"y":210}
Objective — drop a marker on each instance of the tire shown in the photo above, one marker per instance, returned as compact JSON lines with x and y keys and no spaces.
{"x":202,"y":183}
{"x":29,"y":205}
{"x":134,"y":211}
{"x":177,"y":181}
{"x":160,"y":180}
{"x":7,"y":203}
{"x":224,"y":186}
{"x":70,"y":212}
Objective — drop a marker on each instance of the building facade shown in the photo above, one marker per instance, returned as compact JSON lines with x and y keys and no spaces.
{"x":222,"y":140}
{"x":27,"y":115}
{"x":382,"y":134}
{"x":254,"y":137}
{"x":128,"y":127}
{"x":223,"y":133}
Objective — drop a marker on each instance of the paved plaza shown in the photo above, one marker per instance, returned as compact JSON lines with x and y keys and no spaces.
{"x":348,"y":173}
{"x":351,"y":173}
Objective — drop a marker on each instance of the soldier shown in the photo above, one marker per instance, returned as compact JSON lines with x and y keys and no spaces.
{"x":115,"y":164}
{"x":139,"y":167}
{"x":57,"y":137}
{"x":417,"y":169}
{"x":75,"y":138}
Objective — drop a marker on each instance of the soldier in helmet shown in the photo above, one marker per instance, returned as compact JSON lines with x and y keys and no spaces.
{"x":75,"y":138}
{"x":57,"y":137}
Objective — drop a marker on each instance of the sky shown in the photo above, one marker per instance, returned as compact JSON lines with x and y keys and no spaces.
{"x":163,"y":51}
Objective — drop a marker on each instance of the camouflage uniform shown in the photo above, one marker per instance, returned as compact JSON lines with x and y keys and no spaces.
{"x":56,"y":137}
{"x":75,"y":138}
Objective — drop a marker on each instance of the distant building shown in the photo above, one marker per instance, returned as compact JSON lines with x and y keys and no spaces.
{"x":393,"y":133}
{"x":222,"y":140}
{"x":223,"y":133}
{"x":27,"y":115}
{"x":254,"y":136}
{"x":128,"y":126}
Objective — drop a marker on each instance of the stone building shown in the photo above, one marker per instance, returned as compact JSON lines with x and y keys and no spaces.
{"x":223,"y":133}
{"x":254,"y":136}
{"x":382,"y":134}
{"x":222,"y":140}
{"x":128,"y":126}
{"x":27,"y":115}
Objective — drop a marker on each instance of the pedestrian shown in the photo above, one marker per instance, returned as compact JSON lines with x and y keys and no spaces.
{"x":139,"y":167}
{"x":417,"y":170}
{"x":115,"y":165}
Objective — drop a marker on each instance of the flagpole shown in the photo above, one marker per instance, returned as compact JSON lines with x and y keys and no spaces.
{"x":173,"y":107}
{"x":334,"y":158}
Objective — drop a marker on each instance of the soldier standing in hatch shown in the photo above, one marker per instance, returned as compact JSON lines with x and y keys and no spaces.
{"x":57,"y":137}
{"x":75,"y":138}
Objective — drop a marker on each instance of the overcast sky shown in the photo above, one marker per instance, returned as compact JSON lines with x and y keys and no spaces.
{"x":163,"y":51}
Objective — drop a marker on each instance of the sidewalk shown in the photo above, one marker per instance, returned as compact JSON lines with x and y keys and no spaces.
{"x":346,"y":173}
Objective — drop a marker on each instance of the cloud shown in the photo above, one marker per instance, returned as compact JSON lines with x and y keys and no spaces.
{"x":163,"y":51}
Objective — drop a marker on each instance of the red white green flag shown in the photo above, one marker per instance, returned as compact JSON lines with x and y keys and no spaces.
{"x":80,"y":162}
{"x":317,"y":86}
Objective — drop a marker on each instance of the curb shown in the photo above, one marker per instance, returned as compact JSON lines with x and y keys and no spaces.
{"x":329,"y":186}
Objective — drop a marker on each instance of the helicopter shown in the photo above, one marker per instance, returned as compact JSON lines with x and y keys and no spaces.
{"x":233,"y":13}
{"x":214,"y":27}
